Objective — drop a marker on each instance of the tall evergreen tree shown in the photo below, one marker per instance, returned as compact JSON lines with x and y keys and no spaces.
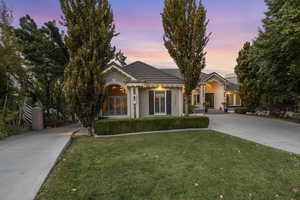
{"x":279,"y":49}
{"x":90,"y":32}
{"x":185,"y":25}
{"x":246,"y":70}
{"x":269,"y":70}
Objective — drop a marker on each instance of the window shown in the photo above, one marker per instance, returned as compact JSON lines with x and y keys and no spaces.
{"x":116,"y":101}
{"x":160,"y":102}
{"x":230,"y":99}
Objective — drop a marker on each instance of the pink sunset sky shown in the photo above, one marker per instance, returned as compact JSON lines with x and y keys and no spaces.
{"x":232,"y":23}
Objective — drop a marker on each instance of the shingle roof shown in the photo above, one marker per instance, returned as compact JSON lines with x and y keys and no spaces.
{"x":177,"y":73}
{"x":232,"y":87}
{"x":148,"y":74}
{"x":145,"y":73}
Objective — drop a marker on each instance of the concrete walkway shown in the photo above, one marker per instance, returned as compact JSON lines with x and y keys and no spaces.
{"x":270,"y":132}
{"x":26,"y":160}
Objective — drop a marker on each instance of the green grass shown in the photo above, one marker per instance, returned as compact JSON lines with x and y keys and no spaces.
{"x":177,"y":166}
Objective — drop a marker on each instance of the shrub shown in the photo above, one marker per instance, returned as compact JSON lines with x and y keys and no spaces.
{"x":241,"y":110}
{"x":4,"y":132}
{"x":8,"y":124}
{"x":114,"y":127}
{"x":297,"y":116}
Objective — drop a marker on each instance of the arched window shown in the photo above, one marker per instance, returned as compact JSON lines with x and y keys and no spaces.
{"x":116,"y":101}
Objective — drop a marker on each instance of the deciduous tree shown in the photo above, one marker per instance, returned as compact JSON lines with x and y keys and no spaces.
{"x":121,"y":58}
{"x":11,"y":70}
{"x":46,"y":58}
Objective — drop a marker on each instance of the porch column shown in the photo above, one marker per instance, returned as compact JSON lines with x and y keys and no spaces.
{"x":192,"y":99}
{"x":202,"y":95}
{"x":131,"y":102}
{"x":137,"y":102}
{"x":128,"y":102}
{"x":234,"y":99}
{"x":180,"y":102}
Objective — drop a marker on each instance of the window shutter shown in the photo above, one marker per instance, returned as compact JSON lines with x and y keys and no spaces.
{"x":169,"y":102}
{"x":151,"y":102}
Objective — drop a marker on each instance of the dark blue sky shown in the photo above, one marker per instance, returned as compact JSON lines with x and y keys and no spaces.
{"x":232,"y":23}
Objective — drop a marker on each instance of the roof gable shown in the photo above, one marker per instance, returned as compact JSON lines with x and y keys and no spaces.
{"x":215,"y":76}
{"x":120,"y":69}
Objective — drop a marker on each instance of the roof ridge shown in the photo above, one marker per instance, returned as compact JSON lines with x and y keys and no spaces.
{"x":179,"y":70}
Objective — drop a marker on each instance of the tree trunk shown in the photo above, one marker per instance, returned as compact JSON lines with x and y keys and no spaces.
{"x":187,"y":103}
{"x":4,"y":107}
{"x":91,"y":129}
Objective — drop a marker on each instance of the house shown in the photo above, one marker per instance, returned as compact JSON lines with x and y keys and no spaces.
{"x":140,"y":90}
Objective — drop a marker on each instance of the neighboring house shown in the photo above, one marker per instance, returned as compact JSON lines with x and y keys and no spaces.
{"x":232,"y":78}
{"x":140,"y":90}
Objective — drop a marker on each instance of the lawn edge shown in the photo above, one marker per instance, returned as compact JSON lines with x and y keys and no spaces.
{"x":64,"y":149}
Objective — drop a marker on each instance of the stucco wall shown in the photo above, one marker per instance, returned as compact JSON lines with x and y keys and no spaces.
{"x":144,"y":101}
{"x":175,"y":101}
{"x":114,"y":76}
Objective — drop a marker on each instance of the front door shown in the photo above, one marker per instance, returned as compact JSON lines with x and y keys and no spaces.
{"x":210,"y":100}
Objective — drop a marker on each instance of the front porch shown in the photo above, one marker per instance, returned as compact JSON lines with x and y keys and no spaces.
{"x":142,"y":100}
{"x":210,"y":95}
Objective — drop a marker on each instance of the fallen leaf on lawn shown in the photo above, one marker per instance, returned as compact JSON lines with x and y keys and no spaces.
{"x":295,"y":190}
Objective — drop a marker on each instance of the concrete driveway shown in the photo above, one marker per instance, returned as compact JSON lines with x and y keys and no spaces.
{"x":26,"y":160}
{"x":270,"y":132}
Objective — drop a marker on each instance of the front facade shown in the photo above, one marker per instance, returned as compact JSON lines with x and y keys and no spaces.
{"x":140,"y":90}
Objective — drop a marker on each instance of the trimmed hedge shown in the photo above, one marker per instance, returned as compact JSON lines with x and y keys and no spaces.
{"x":241,"y":110}
{"x":114,"y":127}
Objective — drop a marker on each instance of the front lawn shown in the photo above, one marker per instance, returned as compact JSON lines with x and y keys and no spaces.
{"x":177,"y":166}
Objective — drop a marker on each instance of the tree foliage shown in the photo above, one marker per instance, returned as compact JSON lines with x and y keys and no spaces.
{"x":6,"y":15}
{"x":46,"y":58}
{"x":11,"y":70}
{"x":121,"y":58}
{"x":246,"y":71}
{"x":276,"y":55}
{"x":90,"y":32}
{"x":185,"y":25}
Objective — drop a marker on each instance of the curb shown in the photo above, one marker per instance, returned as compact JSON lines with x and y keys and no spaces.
{"x":153,"y":132}
{"x":57,"y":159}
